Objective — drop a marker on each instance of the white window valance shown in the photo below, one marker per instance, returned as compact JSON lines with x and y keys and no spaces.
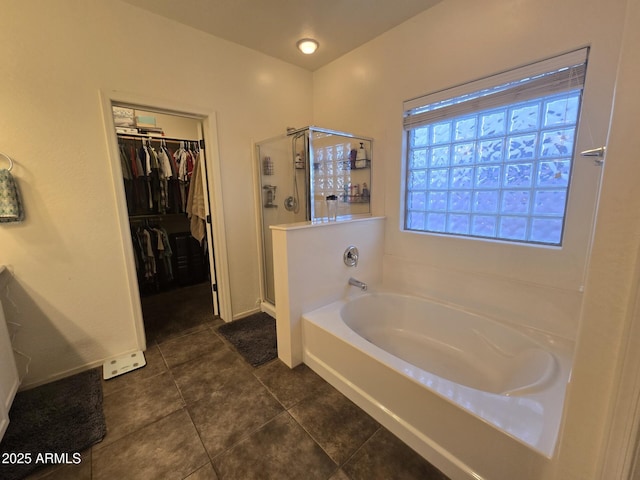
{"x":555,"y":75}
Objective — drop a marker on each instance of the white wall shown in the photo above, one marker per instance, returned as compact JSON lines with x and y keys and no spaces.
{"x":452,"y":43}
{"x":609,"y":308}
{"x":68,"y":258}
{"x":461,"y":40}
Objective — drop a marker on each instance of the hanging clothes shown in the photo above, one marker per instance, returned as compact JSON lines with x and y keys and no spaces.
{"x":165,"y":163}
{"x":184,"y":161}
{"x":128,"y":178}
{"x":153,"y":254}
{"x":175,"y":204}
{"x":165,"y":253}
{"x":140,"y":183}
{"x":127,"y":173}
{"x":165,"y":174}
{"x":196,"y":208}
{"x":148,"y":255}
{"x":156,"y":179}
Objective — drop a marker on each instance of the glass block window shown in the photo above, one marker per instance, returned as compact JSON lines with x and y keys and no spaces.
{"x":491,"y":164}
{"x":330,"y":174}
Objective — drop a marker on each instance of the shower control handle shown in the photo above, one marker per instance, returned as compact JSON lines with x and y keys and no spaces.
{"x":350,"y":256}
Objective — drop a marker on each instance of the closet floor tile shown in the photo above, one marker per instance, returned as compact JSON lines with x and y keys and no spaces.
{"x":170,"y":329}
{"x":175,"y":313}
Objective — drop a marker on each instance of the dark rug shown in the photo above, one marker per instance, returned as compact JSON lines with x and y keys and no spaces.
{"x":62,"y":417}
{"x":254,"y":337}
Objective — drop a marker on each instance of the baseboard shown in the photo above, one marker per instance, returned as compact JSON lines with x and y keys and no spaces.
{"x":68,"y":373}
{"x":238,"y":316}
{"x":268,"y":308}
{"x":60,"y":375}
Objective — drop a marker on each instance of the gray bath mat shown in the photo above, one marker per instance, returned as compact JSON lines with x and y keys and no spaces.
{"x":62,"y":417}
{"x":254,"y":337}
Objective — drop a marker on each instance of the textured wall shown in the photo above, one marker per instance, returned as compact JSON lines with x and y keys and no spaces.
{"x":67,"y":257}
{"x":456,"y":42}
{"x":589,"y":292}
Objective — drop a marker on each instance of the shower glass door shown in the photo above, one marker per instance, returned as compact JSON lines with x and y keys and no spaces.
{"x":340,"y":168}
{"x":298,"y":172}
{"x":283,"y":192}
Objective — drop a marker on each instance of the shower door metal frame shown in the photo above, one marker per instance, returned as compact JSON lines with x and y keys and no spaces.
{"x":310,"y":162}
{"x":308,"y":131}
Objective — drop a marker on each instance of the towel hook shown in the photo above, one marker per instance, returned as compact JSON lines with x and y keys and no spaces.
{"x":10,"y":161}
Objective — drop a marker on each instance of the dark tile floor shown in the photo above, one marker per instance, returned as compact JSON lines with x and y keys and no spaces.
{"x":198,"y":411}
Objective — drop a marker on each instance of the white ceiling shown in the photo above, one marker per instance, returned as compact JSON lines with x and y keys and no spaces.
{"x":274,"y":26}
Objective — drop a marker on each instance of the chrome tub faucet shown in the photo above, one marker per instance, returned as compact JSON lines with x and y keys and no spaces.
{"x":357,"y":283}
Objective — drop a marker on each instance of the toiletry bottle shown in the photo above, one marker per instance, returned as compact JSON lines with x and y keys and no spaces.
{"x":353,"y":154}
{"x":361,"y":158}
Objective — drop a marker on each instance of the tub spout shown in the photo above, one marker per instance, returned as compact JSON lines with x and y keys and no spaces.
{"x":357,"y":283}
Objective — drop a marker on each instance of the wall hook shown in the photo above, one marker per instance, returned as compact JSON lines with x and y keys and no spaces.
{"x":10,"y":161}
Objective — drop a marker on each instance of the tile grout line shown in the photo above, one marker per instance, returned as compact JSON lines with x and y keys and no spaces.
{"x":227,"y":346}
{"x":338,"y":466}
{"x":361,"y":447}
{"x":203,"y":447}
{"x":190,"y":417}
{"x":249,"y":434}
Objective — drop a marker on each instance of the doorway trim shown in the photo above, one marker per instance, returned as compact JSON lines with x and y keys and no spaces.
{"x":212,"y":158}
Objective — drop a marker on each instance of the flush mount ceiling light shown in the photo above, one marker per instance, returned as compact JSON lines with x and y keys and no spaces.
{"x":307,"y":45}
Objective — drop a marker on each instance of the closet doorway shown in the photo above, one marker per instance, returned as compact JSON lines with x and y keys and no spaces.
{"x":164,"y":166}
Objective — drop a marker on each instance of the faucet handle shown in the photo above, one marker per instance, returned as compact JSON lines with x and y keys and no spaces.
{"x":350,"y":256}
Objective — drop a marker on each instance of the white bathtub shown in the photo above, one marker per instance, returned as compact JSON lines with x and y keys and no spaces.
{"x":474,"y":397}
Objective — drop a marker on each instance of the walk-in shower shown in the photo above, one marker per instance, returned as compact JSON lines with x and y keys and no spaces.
{"x":298,"y":171}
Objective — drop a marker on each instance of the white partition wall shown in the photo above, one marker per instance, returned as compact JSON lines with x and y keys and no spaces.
{"x":310,"y":272}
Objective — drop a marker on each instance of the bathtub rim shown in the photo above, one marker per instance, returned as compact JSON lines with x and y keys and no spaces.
{"x":557,"y":343}
{"x":524,"y":343}
{"x":559,"y":347}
